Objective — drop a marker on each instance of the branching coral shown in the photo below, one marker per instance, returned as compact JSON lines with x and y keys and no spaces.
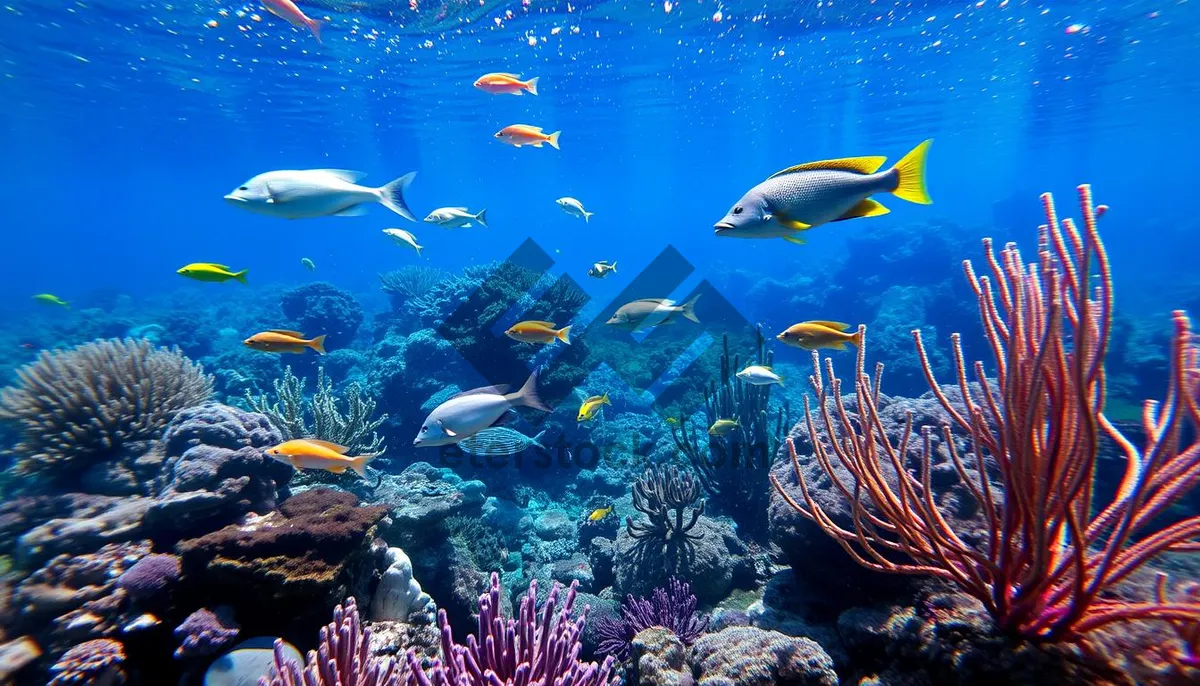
{"x":342,"y":658}
{"x":354,"y":428}
{"x":527,"y":651}
{"x":657,"y":493}
{"x":673,"y":607}
{"x":1050,"y":555}
{"x":82,"y":404}
{"x":733,"y":467}
{"x":410,"y":281}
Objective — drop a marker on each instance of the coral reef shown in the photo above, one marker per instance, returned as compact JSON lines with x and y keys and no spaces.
{"x":657,"y":493}
{"x":355,"y":428}
{"x":322,"y":308}
{"x":409,"y":282}
{"x":514,"y":651}
{"x":214,"y":472}
{"x":673,"y":608}
{"x":399,"y":595}
{"x":79,"y":407}
{"x":312,"y":552}
{"x":342,"y":658}
{"x":733,"y":467}
{"x":150,"y":577}
{"x":92,"y":663}
{"x":747,"y":656}
{"x":206,"y":632}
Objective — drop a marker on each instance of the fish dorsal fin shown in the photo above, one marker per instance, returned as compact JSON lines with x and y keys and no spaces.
{"x":865,"y":208}
{"x":656,"y":301}
{"x":482,"y":390}
{"x":508,"y":75}
{"x":548,"y":325}
{"x":215,"y":266}
{"x":343,"y":174}
{"x":287,"y":332}
{"x":837,"y":326}
{"x":862,"y":165}
{"x":339,"y":449}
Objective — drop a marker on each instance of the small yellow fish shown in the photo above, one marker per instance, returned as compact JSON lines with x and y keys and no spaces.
{"x":523,"y":134}
{"x":48,"y":299}
{"x":309,"y":453}
{"x":283,"y":341}
{"x":672,"y":421}
{"x":599,"y":514}
{"x":308,"y":263}
{"x":591,"y":407}
{"x":538,"y":332}
{"x":209,"y":271}
{"x":722,"y":427}
{"x":820,"y":334}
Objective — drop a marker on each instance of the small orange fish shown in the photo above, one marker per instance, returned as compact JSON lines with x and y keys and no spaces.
{"x":524,"y":134}
{"x":309,"y":453}
{"x":820,"y":334}
{"x":538,"y":332}
{"x":499,"y":83}
{"x":284,"y":341}
{"x":289,"y":12}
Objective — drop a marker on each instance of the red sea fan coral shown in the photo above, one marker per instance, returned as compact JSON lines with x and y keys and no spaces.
{"x":527,"y":651}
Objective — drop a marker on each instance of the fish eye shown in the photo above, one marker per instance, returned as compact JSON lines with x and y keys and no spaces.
{"x":424,"y":429}
{"x":738,"y":209}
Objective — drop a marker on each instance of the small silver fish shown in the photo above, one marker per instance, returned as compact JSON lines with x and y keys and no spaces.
{"x":470,"y":412}
{"x":456,"y":217}
{"x":759,"y":375}
{"x":574,"y":208}
{"x":640,"y":315}
{"x":500,"y":440}
{"x":807,"y":195}
{"x":403,"y":237}
{"x":602,"y":269}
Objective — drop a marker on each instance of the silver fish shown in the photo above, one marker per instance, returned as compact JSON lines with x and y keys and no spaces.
{"x":500,"y":440}
{"x":456,"y":217}
{"x":307,"y":193}
{"x":807,"y":195}
{"x":602,"y":269}
{"x":640,"y":315}
{"x":470,"y":412}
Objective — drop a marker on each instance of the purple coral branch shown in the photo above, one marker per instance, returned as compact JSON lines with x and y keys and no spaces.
{"x":673,"y":608}
{"x":342,"y":658}
{"x":520,"y":652}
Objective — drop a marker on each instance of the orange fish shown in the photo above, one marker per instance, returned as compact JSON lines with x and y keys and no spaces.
{"x":820,"y":334}
{"x":289,"y":12}
{"x":284,"y":341}
{"x":538,"y":332}
{"x":309,"y":453}
{"x":499,"y":83}
{"x":523,"y":134}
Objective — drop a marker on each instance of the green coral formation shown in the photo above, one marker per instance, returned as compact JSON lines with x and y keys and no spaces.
{"x":78,"y":406}
{"x":291,"y":412}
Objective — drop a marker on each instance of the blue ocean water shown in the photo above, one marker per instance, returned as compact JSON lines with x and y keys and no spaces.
{"x":123,"y":124}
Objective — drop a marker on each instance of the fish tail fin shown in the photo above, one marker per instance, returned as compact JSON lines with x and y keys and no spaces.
{"x":553,"y":140}
{"x":418,"y":249}
{"x":587,"y":216}
{"x":482,"y":218}
{"x":856,"y":338}
{"x":531,"y":85}
{"x":689,"y":308}
{"x":910,"y":185}
{"x":614,"y":267}
{"x":528,"y":396}
{"x":359,"y":464}
{"x":315,"y":25}
{"x":564,"y":335}
{"x":537,"y":440}
{"x":781,"y":380}
{"x":604,"y":399}
{"x":318,"y":344}
{"x":392,"y":196}
{"x":241,"y":276}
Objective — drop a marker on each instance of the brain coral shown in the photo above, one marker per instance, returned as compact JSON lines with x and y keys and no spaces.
{"x":77,"y":406}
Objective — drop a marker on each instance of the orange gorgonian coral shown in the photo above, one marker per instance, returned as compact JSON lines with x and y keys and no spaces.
{"x":1049,"y":552}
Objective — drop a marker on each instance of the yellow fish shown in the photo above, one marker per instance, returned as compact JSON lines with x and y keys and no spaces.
{"x":599,"y":514}
{"x":538,"y":332}
{"x":309,"y":453}
{"x":47,"y":299}
{"x":722,"y":427}
{"x":820,"y":334}
{"x":591,"y":406}
{"x":672,"y":421}
{"x":283,"y":341}
{"x":209,"y":271}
